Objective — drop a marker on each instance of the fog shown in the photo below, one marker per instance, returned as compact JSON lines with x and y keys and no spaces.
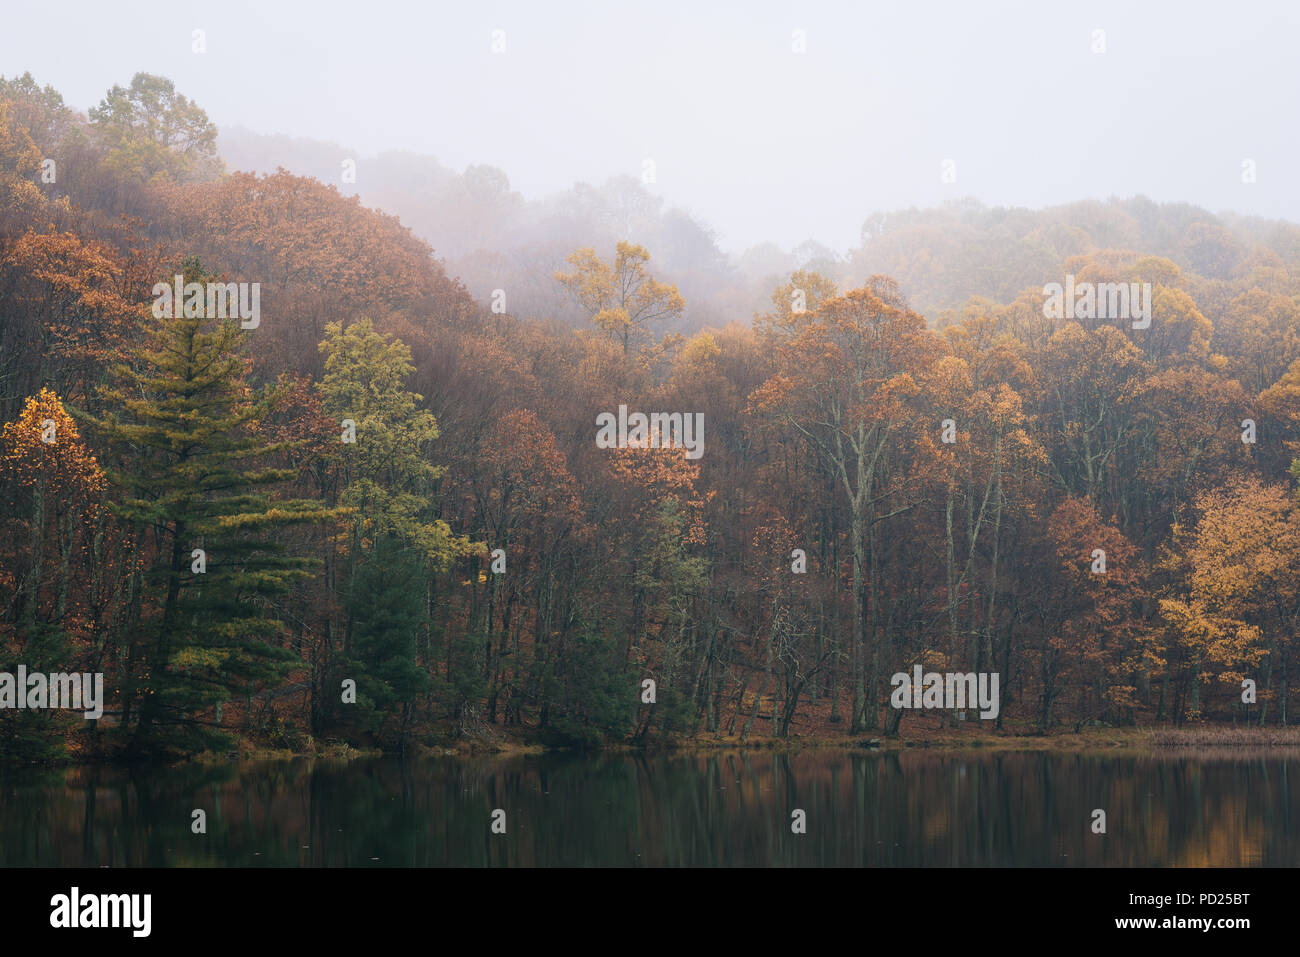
{"x":669,"y":378}
{"x":754,"y":140}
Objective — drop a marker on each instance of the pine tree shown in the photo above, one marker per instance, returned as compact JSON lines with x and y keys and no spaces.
{"x":387,"y":611}
{"x":192,"y":477}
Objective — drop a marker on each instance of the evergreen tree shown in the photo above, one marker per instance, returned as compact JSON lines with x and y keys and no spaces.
{"x":587,"y":690}
{"x":387,"y":613}
{"x":193,"y":477}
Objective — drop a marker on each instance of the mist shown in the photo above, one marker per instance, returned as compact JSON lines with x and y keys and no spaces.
{"x":1019,"y":104}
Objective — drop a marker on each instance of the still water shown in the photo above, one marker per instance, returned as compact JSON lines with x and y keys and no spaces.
{"x":733,"y":809}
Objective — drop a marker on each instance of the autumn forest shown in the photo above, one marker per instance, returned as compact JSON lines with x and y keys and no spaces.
{"x":376,"y":513}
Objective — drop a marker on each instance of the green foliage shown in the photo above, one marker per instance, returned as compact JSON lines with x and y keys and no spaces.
{"x":191,"y":474}
{"x":590,"y":692}
{"x":668,"y":573}
{"x":386,"y":475}
{"x":153,"y":132}
{"x":387,"y":612}
{"x":30,"y":736}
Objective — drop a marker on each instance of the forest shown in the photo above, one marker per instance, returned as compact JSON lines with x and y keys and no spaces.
{"x":381,"y":514}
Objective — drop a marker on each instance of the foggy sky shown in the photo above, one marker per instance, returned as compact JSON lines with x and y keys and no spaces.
{"x":758,"y":142}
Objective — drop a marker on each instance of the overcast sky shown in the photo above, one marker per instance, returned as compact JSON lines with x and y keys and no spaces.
{"x":758,"y":141}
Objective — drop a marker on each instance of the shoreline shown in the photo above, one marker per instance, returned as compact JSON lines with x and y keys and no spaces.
{"x":1127,"y":741}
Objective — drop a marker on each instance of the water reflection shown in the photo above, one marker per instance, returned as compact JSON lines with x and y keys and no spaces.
{"x":732,"y":809}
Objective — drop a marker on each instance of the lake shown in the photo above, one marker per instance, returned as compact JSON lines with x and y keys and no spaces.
{"x":863,"y":809}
